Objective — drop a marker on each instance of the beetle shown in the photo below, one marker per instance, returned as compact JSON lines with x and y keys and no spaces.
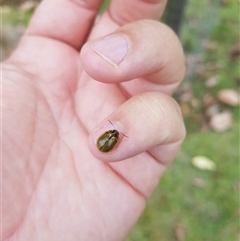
{"x":108,"y":140}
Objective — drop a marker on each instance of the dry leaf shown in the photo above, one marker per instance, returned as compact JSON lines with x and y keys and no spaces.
{"x":235,"y":52}
{"x":203,"y":163}
{"x":198,"y":182}
{"x":229,"y":96}
{"x":185,"y":92}
{"x":179,"y":232}
{"x":213,"y":66}
{"x":221,"y":121}
{"x":186,"y":96}
{"x":210,"y":45}
{"x":225,"y":2}
{"x":238,"y":238}
{"x":195,"y":103}
{"x":211,"y":82}
{"x":28,"y":6}
{"x":208,"y":100}
{"x":212,"y":110}
{"x":184,"y":108}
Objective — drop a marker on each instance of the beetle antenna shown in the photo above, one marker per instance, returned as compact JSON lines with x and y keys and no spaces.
{"x":115,"y":127}
{"x":111,"y":123}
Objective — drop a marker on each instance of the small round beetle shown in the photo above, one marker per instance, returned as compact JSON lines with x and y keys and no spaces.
{"x":108,"y":140}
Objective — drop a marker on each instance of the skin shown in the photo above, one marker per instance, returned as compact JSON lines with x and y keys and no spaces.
{"x":58,"y":95}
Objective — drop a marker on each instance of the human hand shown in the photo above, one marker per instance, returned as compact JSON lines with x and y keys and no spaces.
{"x":54,"y":185}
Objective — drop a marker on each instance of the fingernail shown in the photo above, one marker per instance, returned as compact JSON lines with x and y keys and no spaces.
{"x":113,"y":49}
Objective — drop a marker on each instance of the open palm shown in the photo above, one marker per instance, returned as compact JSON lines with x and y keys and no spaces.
{"x":56,"y":184}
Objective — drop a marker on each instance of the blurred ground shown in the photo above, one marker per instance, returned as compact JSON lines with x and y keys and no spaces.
{"x":198,"y":198}
{"x":14,"y":18}
{"x":15,"y":2}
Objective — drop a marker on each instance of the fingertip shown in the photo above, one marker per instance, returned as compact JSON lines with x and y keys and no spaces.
{"x":89,"y":62}
{"x":108,"y":143}
{"x":97,"y":66}
{"x":143,"y":48}
{"x":141,"y":123}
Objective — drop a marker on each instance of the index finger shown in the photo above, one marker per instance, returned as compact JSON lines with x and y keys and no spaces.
{"x":125,"y":11}
{"x":67,"y":21}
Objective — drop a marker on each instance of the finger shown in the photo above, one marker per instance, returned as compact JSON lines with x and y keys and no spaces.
{"x":144,"y":122}
{"x":143,"y":172}
{"x":144,"y":48}
{"x":64,"y":20}
{"x":121,"y":11}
